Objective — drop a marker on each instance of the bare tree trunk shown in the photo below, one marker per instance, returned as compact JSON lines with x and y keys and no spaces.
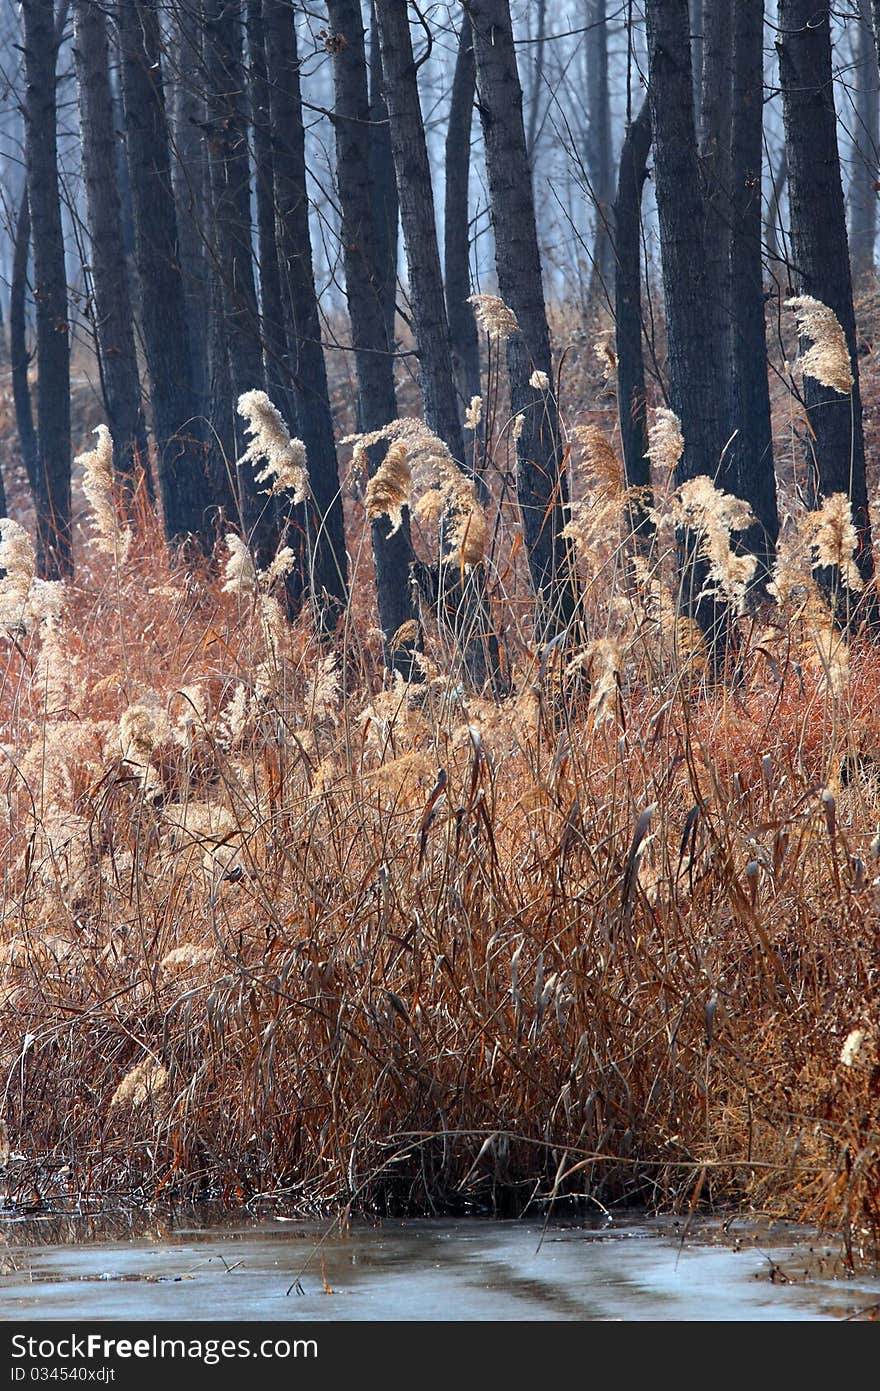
{"x":695,"y":376}
{"x":456,"y":223}
{"x":541,"y":481}
{"x":189,"y":177}
{"x":863,"y":189}
{"x":631,"y":401}
{"x":696,"y":19}
{"x":230,"y":190}
{"x":183,"y":479}
{"x":599,"y":151}
{"x":419,"y":228}
{"x":309,"y":373}
{"x":771,"y":220}
{"x":462,"y":606}
{"x":377,"y":402}
{"x":276,"y":352}
{"x":836,"y":451}
{"x":751,"y":453}
{"x":714,"y":148}
{"x":114,"y":325}
{"x":386,"y":211}
{"x":52,"y":495}
{"x":538,"y":50}
{"x":19,"y":356}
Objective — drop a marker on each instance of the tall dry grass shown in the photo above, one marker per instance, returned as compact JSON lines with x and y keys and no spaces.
{"x":275,"y":924}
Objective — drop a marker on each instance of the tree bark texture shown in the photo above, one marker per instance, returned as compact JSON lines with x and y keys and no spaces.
{"x":456,"y":222}
{"x":541,"y":482}
{"x":230,"y":191}
{"x":819,"y":250}
{"x":599,"y":150}
{"x":183,"y":479}
{"x":386,"y":211}
{"x":631,"y":399}
{"x":19,"y":354}
{"x":751,"y":451}
{"x":52,"y":497}
{"x":377,"y":401}
{"x":866,"y":140}
{"x":694,"y":355}
{"x":329,"y":578}
{"x":113,"y":319}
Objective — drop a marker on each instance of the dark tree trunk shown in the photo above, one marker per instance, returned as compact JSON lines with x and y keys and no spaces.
{"x":114,"y":326}
{"x":696,"y":20}
{"x":538,"y":50}
{"x":751,"y":452}
{"x":462,"y":606}
{"x":631,"y":401}
{"x":276,"y":353}
{"x":19,"y":356}
{"x":309,"y":372}
{"x":456,"y":240}
{"x":230,"y":193}
{"x":599,"y":151}
{"x":863,"y":190}
{"x":416,"y":198}
{"x":52,"y":495}
{"x":714,"y":147}
{"x":183,"y":480}
{"x":695,"y":376}
{"x":386,"y":213}
{"x":820,"y":252}
{"x":771,"y":220}
{"x":189,"y":177}
{"x":377,"y":402}
{"x":541,"y":482}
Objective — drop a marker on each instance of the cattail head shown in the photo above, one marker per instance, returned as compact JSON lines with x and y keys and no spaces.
{"x":494,"y":317}
{"x":828,"y":359}
{"x":97,"y":466}
{"x":388,"y":489}
{"x":284,"y":457}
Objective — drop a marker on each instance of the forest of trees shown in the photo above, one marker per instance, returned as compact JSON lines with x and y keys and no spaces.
{"x":166,"y":219}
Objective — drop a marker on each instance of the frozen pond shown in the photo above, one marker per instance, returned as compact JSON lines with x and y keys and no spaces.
{"x":627,"y":1269}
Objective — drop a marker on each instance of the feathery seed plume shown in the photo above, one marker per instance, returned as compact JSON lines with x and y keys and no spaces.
{"x":285,"y":457}
{"x":18,"y":561}
{"x":494,"y":317}
{"x":97,"y":465}
{"x":665,"y":440}
{"x":835,"y":539}
{"x":828,"y":359}
{"x":540,"y":381}
{"x":712,"y":514}
{"x":240,"y":576}
{"x":142,"y":1084}
{"x":388,"y":490}
{"x":474,"y":413}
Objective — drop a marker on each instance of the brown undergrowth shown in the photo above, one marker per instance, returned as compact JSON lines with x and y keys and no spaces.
{"x":274,"y":924}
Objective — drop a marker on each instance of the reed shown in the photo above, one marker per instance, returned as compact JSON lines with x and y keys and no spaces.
{"x":274,"y":923}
